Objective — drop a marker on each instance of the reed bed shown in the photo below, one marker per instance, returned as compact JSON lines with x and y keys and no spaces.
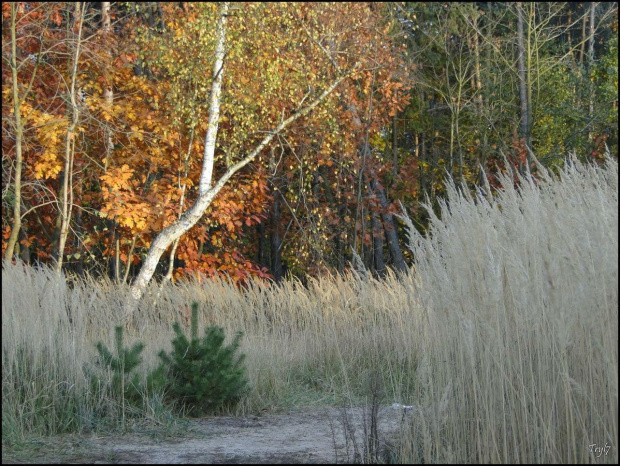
{"x":503,"y":337}
{"x":520,"y":354}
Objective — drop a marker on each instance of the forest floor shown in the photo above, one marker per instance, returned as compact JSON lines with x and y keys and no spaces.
{"x":317,"y":435}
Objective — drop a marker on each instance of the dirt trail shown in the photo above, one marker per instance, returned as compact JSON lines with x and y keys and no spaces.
{"x":309,"y":436}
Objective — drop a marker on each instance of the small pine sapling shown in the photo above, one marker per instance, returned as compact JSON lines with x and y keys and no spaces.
{"x":121,"y":365}
{"x":201,"y":373}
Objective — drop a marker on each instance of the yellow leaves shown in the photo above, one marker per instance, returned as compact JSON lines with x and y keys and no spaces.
{"x":131,"y":219}
{"x":48,"y":167}
{"x":117,"y":178}
{"x":141,"y":224}
{"x":187,"y":181}
{"x":126,"y":211}
{"x":51,"y":133}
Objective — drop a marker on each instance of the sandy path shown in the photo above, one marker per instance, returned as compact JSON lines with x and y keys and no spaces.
{"x":309,"y":436}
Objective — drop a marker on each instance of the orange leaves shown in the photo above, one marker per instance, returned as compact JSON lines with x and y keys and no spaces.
{"x":51,"y":133}
{"x":117,"y":178}
{"x":231,"y":262}
{"x":138,"y":155}
{"x":128,"y":215}
{"x":121,"y":202}
{"x":49,"y":166}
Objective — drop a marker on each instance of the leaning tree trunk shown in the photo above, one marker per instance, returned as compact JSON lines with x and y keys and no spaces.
{"x":206,"y":192}
{"x":389,"y":226}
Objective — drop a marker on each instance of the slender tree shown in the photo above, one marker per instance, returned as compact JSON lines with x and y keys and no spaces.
{"x":207,"y":190}
{"x":525,"y":125}
{"x":73,"y":113}
{"x":19,"y":134}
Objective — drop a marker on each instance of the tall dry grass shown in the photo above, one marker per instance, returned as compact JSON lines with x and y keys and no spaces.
{"x":503,"y":337}
{"x":520,"y":349}
{"x":304,"y":346}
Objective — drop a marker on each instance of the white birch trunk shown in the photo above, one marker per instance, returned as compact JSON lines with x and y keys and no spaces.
{"x":207,"y":192}
{"x":214,"y":106}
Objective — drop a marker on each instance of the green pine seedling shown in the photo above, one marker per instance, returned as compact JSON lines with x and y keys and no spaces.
{"x":121,"y":365}
{"x":202,"y":374}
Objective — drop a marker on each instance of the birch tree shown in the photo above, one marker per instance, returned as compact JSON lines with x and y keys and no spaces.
{"x":207,"y":190}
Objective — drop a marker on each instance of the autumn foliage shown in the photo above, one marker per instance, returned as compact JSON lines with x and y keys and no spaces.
{"x":124,"y":190}
{"x":104,"y":127}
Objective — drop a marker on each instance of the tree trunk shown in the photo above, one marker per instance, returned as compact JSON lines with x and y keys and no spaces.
{"x":394,"y":148}
{"x":24,"y":252}
{"x":261,"y":255}
{"x":524,"y":126}
{"x":183,"y":187}
{"x":389,"y":226}
{"x":206,"y":192}
{"x":58,"y":222}
{"x":108,"y":93}
{"x":388,"y":219}
{"x":19,"y":134}
{"x":79,"y":244}
{"x":72,"y":117}
{"x":420,"y":157}
{"x":477,"y":74}
{"x":117,"y":256}
{"x":339,"y":207}
{"x":274,"y":238}
{"x":367,"y":249}
{"x":108,"y":98}
{"x":591,"y":63}
{"x":341,"y":237}
{"x":105,"y":16}
{"x":582,"y":47}
{"x":131,"y":250}
{"x":377,"y":243}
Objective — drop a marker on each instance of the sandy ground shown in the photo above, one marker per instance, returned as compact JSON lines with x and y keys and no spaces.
{"x":307,"y":436}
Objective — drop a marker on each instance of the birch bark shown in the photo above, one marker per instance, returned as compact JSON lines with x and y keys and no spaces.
{"x":207,"y":191}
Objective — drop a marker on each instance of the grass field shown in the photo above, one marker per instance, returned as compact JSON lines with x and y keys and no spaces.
{"x":503,"y":336}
